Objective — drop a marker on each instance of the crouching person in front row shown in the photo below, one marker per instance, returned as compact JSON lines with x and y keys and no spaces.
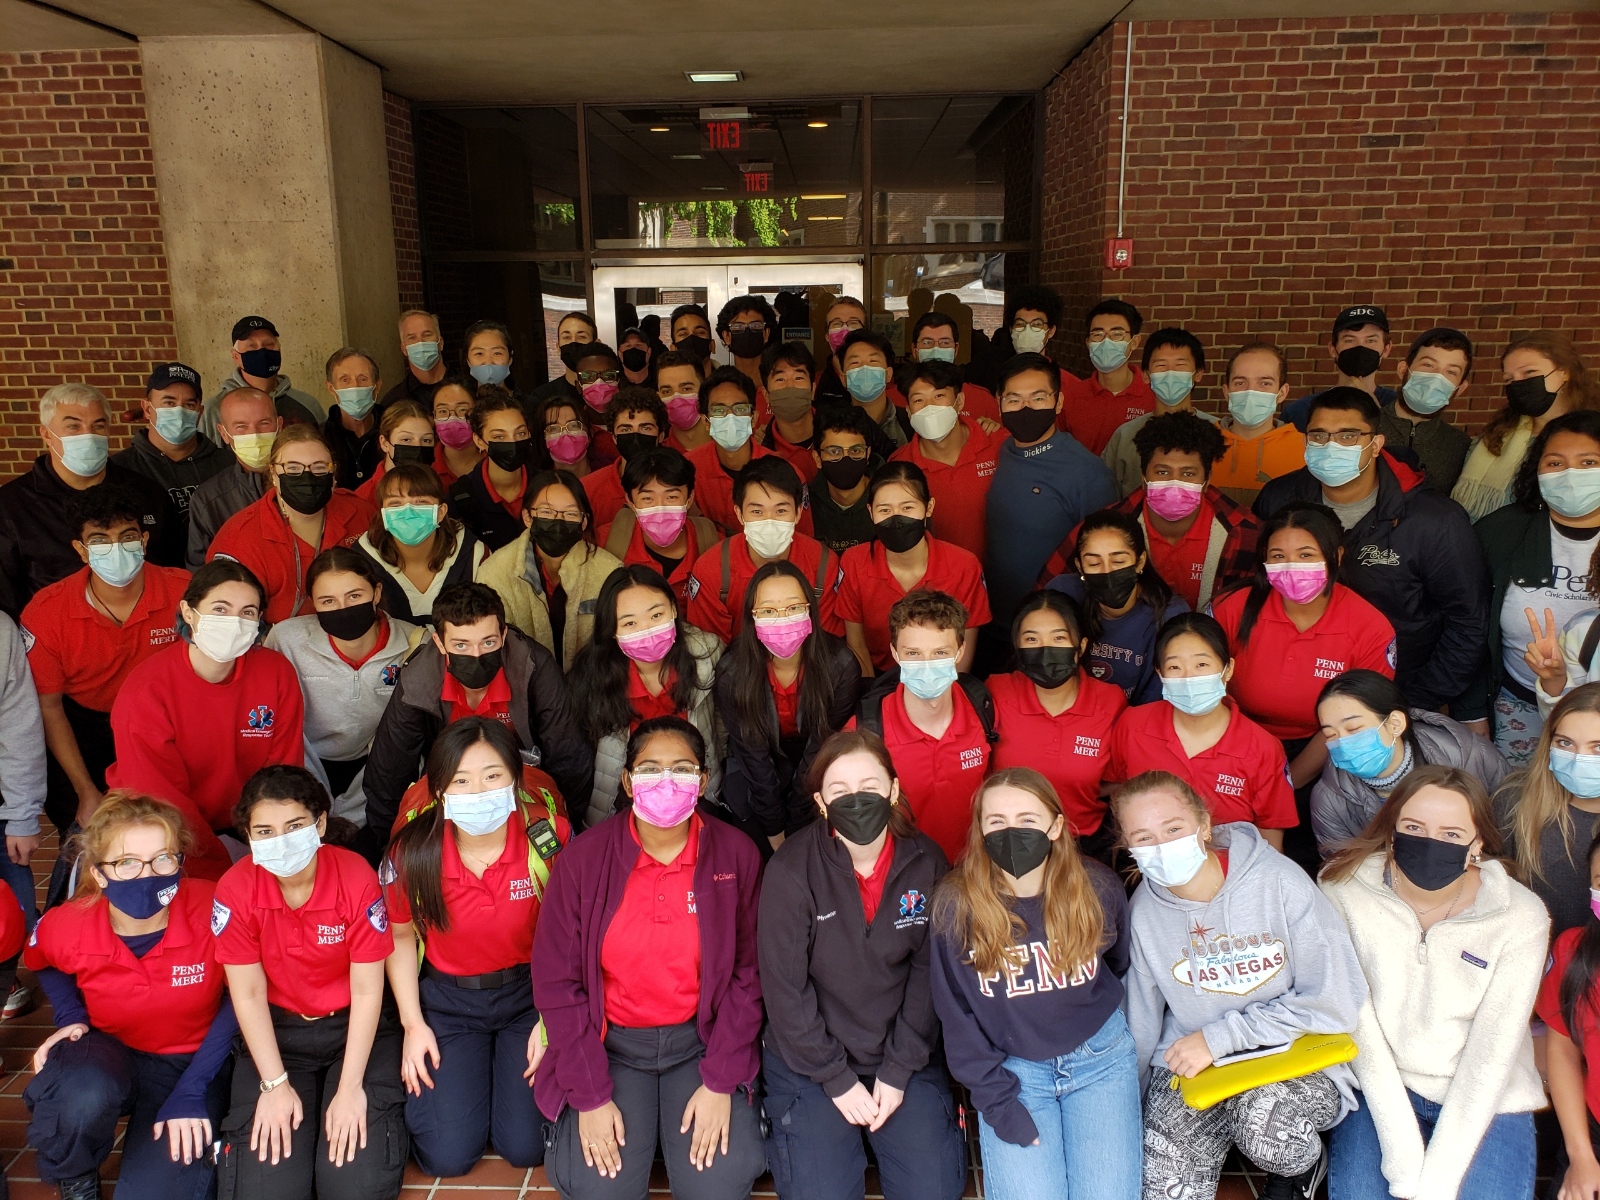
{"x":318,"y":1106}
{"x":143,"y":1027}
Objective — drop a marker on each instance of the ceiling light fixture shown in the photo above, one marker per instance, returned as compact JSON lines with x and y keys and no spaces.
{"x":816,"y":124}
{"x":840,"y":196}
{"x":824,"y":218}
{"x":660,"y":129}
{"x":687,"y":157}
{"x":715,"y":76}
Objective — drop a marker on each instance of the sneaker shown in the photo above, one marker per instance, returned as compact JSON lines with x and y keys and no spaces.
{"x":1297,"y":1187}
{"x":19,"y":1003}
{"x":85,"y":1187}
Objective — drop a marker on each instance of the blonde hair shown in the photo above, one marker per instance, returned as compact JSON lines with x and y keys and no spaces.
{"x":121,"y":810}
{"x":1157,"y":781}
{"x":973,"y":906}
{"x":69,"y":393}
{"x":401,"y":410}
{"x":1583,"y":391}
{"x":1538,"y":797}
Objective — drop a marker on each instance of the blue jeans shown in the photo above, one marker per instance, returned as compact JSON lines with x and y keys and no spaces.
{"x":20,"y":880}
{"x":1086,"y":1107}
{"x":1502,"y":1168}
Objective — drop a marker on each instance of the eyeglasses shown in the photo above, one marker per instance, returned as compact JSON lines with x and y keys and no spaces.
{"x":752,"y":326}
{"x":1037,"y":400}
{"x":772,"y":614}
{"x":129,"y":867}
{"x":1116,"y":335}
{"x":298,"y":469}
{"x":599,"y":376}
{"x":460,"y":411}
{"x":130,"y":538}
{"x":652,"y":775}
{"x":1041,"y":326}
{"x":1345,"y":437}
{"x":575,"y":427}
{"x":835,"y":453}
{"x":738,"y":410}
{"x":846,"y":323}
{"x":928,"y":343}
{"x":558,"y":514}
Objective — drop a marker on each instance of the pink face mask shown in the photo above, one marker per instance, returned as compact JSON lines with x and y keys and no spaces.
{"x":683,"y":411}
{"x":598,"y":394}
{"x":662,"y":525}
{"x":1299,"y":582}
{"x":567,"y":448}
{"x":783,"y":635}
{"x":649,"y":645}
{"x":1172,"y":499}
{"x":836,"y":337}
{"x":665,"y":801}
{"x":454,"y":432}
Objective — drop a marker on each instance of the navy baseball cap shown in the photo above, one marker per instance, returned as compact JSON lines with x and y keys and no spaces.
{"x":245,"y":326}
{"x":1353,"y":317}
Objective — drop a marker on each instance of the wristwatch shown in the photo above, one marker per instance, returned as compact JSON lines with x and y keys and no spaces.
{"x":268,"y":1084}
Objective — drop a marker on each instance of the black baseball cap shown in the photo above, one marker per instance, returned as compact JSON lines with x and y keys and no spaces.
{"x":245,"y":326}
{"x":1353,"y":317}
{"x":167,"y":373}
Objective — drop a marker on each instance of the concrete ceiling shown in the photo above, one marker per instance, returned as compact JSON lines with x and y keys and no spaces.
{"x":532,"y":51}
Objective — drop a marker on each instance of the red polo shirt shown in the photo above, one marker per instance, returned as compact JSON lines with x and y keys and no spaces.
{"x":938,"y":775}
{"x":1242,"y":778}
{"x":975,"y":401}
{"x":77,"y":651}
{"x":306,"y":951}
{"x":1278,"y":676}
{"x":1092,"y":414}
{"x":787,"y":702}
{"x":871,"y":886}
{"x":1182,"y":565}
{"x":637,"y":555}
{"x":603,"y":487}
{"x":12,"y":930}
{"x":260,"y":538}
{"x":491,"y":919}
{"x":650,"y":954}
{"x":1548,"y":1008}
{"x":513,"y":505}
{"x":961,"y":490}
{"x":713,"y":486}
{"x":869,"y":590}
{"x":799,"y":456}
{"x":1069,"y":750}
{"x":647,"y":706}
{"x":162,"y":1003}
{"x":709,"y":611}
{"x":496,"y":700}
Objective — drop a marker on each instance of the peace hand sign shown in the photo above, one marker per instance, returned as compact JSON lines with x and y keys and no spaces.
{"x":1544,"y":656}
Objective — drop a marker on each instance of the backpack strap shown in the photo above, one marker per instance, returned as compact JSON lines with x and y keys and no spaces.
{"x":727,"y":572}
{"x":822,"y":573}
{"x":870,"y":717}
{"x":982,"y":704}
{"x":1591,"y":640}
{"x":621,"y":535}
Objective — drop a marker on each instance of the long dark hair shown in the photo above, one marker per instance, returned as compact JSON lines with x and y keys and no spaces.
{"x":1316,"y":519}
{"x":1378,"y":694}
{"x":745,"y":665}
{"x":417,"y":852}
{"x":1577,"y":982}
{"x":1153,"y":590}
{"x":419,"y":482}
{"x":598,"y":681}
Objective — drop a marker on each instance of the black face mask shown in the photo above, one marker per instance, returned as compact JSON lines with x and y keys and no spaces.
{"x":1029,"y":424}
{"x":1529,"y":397}
{"x":1112,"y":588}
{"x":306,"y":493}
{"x":475,"y":671}
{"x":1358,"y":361}
{"x":747,"y":343}
{"x":508,"y":456}
{"x":1017,"y":851}
{"x":1048,"y":666}
{"x":700,"y":347}
{"x":572,"y":352}
{"x":629,"y":444}
{"x":859,"y":817}
{"x":412,"y":454}
{"x":262,"y":363}
{"x":555,"y":536}
{"x":845,"y":473}
{"x":1428,"y":862}
{"x":898,"y":534}
{"x":347,"y":624}
{"x":635,"y":359}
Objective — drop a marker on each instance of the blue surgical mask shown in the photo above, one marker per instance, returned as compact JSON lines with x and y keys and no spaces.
{"x":1252,"y":408}
{"x":1171,"y":387}
{"x":491,"y":373}
{"x":1364,"y":753}
{"x":479,"y":813}
{"x":1195,"y":695}
{"x":730,"y":432}
{"x":1572,"y":493}
{"x":1578,"y":773}
{"x":356,"y":402}
{"x":1335,"y":465}
{"x":1426,"y":393}
{"x":141,"y":898}
{"x":176,"y":425}
{"x":287,"y":854}
{"x":1107,"y":355}
{"x":937,"y":354}
{"x":866,"y":384}
{"x":424,"y":356}
{"x":118,"y":564}
{"x":85,"y":453}
{"x":928,"y":678}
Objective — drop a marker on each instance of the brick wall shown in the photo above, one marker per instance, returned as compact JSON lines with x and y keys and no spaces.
{"x":1443,"y":167}
{"x":403,"y":198}
{"x":84,"y":293}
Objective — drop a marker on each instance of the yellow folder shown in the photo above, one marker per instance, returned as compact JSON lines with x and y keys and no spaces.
{"x":1313,"y":1052}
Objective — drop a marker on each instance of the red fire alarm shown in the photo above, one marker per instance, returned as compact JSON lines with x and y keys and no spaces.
{"x":1119,"y":254}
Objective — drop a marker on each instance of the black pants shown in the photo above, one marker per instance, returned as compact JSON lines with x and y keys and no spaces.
{"x":92,"y":728}
{"x":478,"y":1093}
{"x":341,"y":774}
{"x":654,"y":1072}
{"x":313,"y":1053}
{"x":1562,"y":1162}
{"x":86,"y":1087}
{"x":1300,"y":843}
{"x":815,"y":1154}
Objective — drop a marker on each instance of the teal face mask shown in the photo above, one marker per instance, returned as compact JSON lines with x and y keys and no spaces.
{"x":176,"y":425}
{"x":1252,"y":408}
{"x":1108,"y":355}
{"x":412,"y":524}
{"x":1171,"y":387}
{"x":1572,"y":493}
{"x":424,"y":356}
{"x":937,"y":354}
{"x":1426,"y":393}
{"x":866,"y":384}
{"x":356,"y":401}
{"x":1364,"y":753}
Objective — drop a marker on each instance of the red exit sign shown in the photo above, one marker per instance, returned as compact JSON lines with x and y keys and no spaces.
{"x":758,"y":181}
{"x":722,"y":135}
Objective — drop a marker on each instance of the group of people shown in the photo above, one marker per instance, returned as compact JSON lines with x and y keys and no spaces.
{"x":769,"y":764}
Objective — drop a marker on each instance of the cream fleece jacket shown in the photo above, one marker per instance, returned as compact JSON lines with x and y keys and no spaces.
{"x":1447,"y":1018}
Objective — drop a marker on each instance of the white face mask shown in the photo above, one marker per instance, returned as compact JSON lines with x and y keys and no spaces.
{"x":933,"y":421}
{"x":223,"y":639}
{"x":287,"y":854}
{"x":769,"y":539}
{"x":1027,"y":341}
{"x":1171,"y":864}
{"x":479,"y":813}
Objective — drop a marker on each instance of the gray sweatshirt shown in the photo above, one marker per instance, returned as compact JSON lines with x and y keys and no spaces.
{"x":22,"y":779}
{"x":1272,"y":957}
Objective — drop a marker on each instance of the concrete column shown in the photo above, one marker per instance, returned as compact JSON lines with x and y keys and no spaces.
{"x":271,"y":167}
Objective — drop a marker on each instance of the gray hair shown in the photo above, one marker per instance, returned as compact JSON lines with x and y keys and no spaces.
{"x":71,"y":394}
